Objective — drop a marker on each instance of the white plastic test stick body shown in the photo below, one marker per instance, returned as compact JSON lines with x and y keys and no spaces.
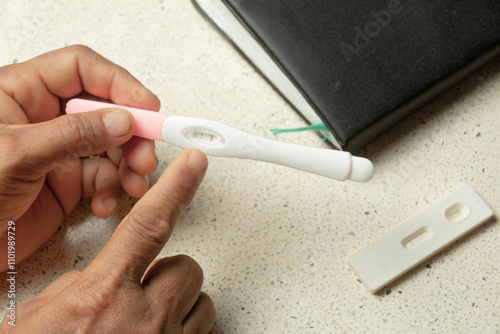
{"x":420,"y":237}
{"x":218,"y":139}
{"x":221,"y":140}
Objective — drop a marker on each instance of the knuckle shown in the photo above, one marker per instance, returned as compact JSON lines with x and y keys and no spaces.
{"x":91,"y":296}
{"x":190,"y":269}
{"x":74,"y":129}
{"x":30,"y":306}
{"x":13,"y":161}
{"x":73,"y":273}
{"x":79,"y":49}
{"x":70,"y":276}
{"x":148,"y":224}
{"x":81,"y":131}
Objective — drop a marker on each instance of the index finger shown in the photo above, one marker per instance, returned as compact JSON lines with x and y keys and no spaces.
{"x":37,"y":84}
{"x":143,"y":233}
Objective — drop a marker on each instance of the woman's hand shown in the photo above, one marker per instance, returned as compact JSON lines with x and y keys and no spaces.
{"x":122,"y":290}
{"x":42,"y":173}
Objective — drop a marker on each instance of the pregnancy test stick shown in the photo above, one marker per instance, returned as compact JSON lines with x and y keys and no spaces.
{"x":218,"y":139}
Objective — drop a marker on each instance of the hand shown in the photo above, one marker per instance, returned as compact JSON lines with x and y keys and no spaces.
{"x":42,"y":175}
{"x":121,"y":291}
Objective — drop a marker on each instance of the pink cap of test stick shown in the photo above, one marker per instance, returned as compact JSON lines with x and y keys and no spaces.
{"x":148,"y":124}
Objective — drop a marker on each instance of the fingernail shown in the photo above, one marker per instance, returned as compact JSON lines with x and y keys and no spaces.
{"x":146,"y":177}
{"x":117,"y":123}
{"x":110,"y":204}
{"x":198,"y":160}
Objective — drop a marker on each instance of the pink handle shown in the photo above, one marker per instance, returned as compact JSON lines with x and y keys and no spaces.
{"x":148,"y":123}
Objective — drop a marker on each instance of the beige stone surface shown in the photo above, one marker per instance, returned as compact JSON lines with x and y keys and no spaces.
{"x":274,"y":242}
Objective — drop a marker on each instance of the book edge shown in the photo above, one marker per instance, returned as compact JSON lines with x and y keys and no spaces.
{"x":310,"y":119}
{"x":420,"y":100}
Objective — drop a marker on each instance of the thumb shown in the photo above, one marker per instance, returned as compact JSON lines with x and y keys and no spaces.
{"x":62,"y":140}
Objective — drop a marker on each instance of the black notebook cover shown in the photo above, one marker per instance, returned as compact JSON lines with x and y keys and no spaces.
{"x":363,"y":65}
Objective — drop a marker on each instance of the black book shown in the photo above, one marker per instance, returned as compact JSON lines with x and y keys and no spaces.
{"x":360,"y":66}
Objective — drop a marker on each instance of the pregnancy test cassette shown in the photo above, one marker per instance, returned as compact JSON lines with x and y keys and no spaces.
{"x":419,"y":238}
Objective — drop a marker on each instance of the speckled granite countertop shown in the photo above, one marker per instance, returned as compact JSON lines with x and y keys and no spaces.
{"x":274,"y":242}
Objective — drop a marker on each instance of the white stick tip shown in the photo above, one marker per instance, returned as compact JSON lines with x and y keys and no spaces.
{"x":361,"y":170}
